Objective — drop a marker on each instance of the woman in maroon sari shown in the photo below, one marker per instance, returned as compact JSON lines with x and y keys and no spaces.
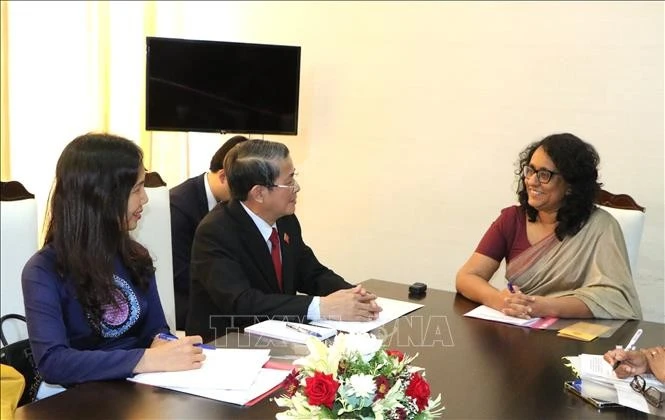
{"x":564,"y":256}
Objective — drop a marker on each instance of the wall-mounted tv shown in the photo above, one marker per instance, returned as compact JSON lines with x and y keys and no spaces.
{"x":215,"y":86}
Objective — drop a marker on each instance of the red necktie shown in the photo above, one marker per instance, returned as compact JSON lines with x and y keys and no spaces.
{"x":276,"y":260}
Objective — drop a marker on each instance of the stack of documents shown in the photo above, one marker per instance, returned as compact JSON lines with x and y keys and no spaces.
{"x":597,"y":380}
{"x":290,"y":331}
{"x":232,"y":375}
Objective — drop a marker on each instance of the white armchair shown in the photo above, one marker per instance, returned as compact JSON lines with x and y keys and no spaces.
{"x":18,"y":242}
{"x":630,"y":216}
{"x":154,"y":232}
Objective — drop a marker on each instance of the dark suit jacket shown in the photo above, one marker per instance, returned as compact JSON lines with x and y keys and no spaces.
{"x":189,"y":205}
{"x":233,"y":279}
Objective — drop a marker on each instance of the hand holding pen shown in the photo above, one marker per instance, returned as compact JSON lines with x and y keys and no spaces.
{"x":515,"y":303}
{"x":630,"y":346}
{"x":170,"y":337}
{"x":171,"y":354}
{"x":637,"y":362}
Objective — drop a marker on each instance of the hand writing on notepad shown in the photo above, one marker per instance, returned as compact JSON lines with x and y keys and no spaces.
{"x":171,"y":356}
{"x":637,"y":362}
{"x":355,"y":304}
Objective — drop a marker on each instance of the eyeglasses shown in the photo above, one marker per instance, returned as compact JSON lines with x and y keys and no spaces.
{"x":294,"y":186}
{"x":652,"y":395}
{"x":544,"y":175}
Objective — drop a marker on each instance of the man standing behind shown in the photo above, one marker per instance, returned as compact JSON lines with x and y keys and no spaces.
{"x":190,"y":202}
{"x":249,"y":258}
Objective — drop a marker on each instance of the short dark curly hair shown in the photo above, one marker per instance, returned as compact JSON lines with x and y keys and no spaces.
{"x":577,"y":162}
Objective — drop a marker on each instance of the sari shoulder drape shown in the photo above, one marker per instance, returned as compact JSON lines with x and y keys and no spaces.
{"x":591,"y":266}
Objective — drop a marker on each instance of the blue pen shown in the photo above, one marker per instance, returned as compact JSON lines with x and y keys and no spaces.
{"x":510,"y":287}
{"x":169,"y":337}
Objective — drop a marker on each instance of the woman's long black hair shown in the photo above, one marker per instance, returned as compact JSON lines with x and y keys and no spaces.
{"x":577,"y":162}
{"x":87,"y":218}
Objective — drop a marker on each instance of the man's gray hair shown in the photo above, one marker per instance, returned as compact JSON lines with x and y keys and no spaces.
{"x":253,"y":162}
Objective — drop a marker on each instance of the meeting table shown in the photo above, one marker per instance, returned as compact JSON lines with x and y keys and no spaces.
{"x":482,"y":369}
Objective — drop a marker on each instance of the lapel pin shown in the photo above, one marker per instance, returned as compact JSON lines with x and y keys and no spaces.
{"x":286,"y":238}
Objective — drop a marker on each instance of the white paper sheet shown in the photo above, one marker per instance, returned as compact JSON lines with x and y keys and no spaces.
{"x":392,"y":309}
{"x":266,"y":380}
{"x":228,"y":369}
{"x":629,"y":398}
{"x":485,"y":312}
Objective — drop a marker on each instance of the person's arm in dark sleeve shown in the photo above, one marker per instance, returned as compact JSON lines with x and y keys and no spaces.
{"x":57,"y":362}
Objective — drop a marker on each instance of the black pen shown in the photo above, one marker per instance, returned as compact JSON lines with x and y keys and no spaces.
{"x":303,"y":330}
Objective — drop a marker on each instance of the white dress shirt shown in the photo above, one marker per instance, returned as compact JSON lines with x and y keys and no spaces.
{"x":212,"y":201}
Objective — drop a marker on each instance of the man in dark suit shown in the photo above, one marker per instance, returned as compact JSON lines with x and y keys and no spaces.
{"x":239,"y":277}
{"x":190,"y":202}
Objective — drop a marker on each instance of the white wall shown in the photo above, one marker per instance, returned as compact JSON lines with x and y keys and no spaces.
{"x":412,"y":115}
{"x":47,"y":94}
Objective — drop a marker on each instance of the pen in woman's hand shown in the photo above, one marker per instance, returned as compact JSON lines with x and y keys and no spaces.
{"x":169,"y":337}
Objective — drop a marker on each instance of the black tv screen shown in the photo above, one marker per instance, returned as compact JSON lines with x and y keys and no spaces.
{"x":208,"y":86}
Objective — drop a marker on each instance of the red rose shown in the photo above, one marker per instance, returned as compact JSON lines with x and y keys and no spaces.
{"x":396,"y":353}
{"x":321,"y":389}
{"x":418,"y":389}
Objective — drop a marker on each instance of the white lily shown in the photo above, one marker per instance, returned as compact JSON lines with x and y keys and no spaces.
{"x":320,"y":358}
{"x":298,"y":408}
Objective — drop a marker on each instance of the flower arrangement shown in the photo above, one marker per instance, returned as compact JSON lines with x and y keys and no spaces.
{"x":356,"y":377}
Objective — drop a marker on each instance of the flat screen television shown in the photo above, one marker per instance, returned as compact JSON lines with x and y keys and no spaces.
{"x":216,"y":86}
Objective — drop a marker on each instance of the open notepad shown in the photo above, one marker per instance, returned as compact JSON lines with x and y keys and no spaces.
{"x":485,"y":312}
{"x":265,"y":382}
{"x":237,"y":376}
{"x":222,"y":369}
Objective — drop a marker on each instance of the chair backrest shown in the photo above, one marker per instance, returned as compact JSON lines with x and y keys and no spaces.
{"x":630,"y":216}
{"x":18,"y":242}
{"x":154,"y":232}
